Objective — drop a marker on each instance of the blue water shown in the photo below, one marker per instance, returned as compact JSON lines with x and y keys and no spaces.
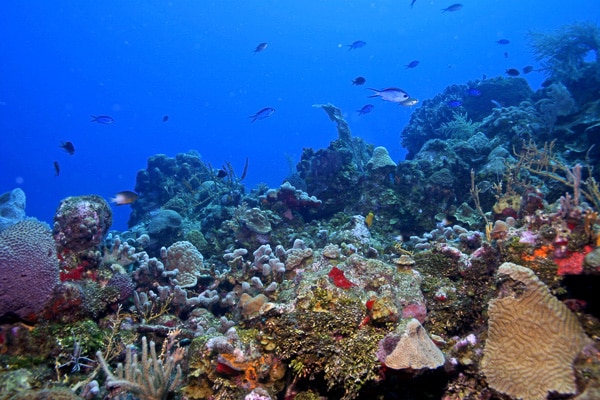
{"x":137,"y":61}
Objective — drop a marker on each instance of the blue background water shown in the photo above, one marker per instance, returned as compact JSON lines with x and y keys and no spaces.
{"x":62,"y":61}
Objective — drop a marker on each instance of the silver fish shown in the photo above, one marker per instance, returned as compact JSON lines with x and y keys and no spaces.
{"x":394,"y":95}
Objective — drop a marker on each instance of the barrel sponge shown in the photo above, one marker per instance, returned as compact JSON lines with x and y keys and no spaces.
{"x":533,"y":338}
{"x":28,"y":268}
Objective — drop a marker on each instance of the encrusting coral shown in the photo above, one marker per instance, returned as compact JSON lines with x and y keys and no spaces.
{"x":533,"y":338}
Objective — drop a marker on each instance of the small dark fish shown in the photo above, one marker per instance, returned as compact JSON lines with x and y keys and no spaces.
{"x":412,"y":64}
{"x":505,"y":54}
{"x":103,"y":119}
{"x":453,"y":7}
{"x":125,"y":197}
{"x":165,"y":118}
{"x":503,"y":41}
{"x":365,"y":109}
{"x":512,"y":72}
{"x":394,"y":95}
{"x":68,"y":147}
{"x":356,"y":45}
{"x":527,"y":69}
{"x":412,"y":3}
{"x":262,"y":114}
{"x":473,"y":92}
{"x":221,"y":173}
{"x":56,"y":168}
{"x":260,"y":48}
{"x":454,"y":103}
{"x":359,"y":80}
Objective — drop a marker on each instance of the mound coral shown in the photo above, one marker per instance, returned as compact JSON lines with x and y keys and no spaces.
{"x":187,"y":260}
{"x":414,"y":349}
{"x":28,"y":265}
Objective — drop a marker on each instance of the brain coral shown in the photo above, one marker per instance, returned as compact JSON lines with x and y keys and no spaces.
{"x":184,"y":257}
{"x":28,"y":265}
{"x":533,"y":338}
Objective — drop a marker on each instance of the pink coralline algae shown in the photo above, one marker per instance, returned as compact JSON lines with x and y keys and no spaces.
{"x":28,"y":268}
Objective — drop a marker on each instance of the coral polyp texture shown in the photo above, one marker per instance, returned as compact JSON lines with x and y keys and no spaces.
{"x":28,"y":268}
{"x":414,"y":349}
{"x":533,"y":338}
{"x":187,"y":260}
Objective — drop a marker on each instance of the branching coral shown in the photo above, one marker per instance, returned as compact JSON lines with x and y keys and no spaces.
{"x":543,"y":162}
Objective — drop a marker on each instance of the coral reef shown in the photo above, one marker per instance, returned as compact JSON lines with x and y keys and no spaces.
{"x":449,"y":274}
{"x":28,"y":268}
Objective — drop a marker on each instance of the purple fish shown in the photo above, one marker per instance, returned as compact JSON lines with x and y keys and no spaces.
{"x":454,"y":103}
{"x":412,"y":64}
{"x":453,"y":7}
{"x":367,"y":108}
{"x":103,"y":119}
{"x":262,"y":114}
{"x":473,"y":92}
{"x":260,"y":48}
{"x":356,"y":45}
{"x":394,"y":95}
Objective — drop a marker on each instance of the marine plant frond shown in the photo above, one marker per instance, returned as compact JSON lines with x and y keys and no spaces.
{"x":461,"y":125}
{"x":564,"y":51}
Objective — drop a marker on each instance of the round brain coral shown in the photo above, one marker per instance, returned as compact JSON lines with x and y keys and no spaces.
{"x":28,"y":268}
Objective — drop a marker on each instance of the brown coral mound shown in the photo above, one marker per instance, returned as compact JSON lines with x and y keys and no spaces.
{"x":415,"y":350}
{"x":533,"y":338}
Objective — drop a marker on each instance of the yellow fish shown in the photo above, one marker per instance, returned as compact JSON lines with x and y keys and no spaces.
{"x":369,"y":219}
